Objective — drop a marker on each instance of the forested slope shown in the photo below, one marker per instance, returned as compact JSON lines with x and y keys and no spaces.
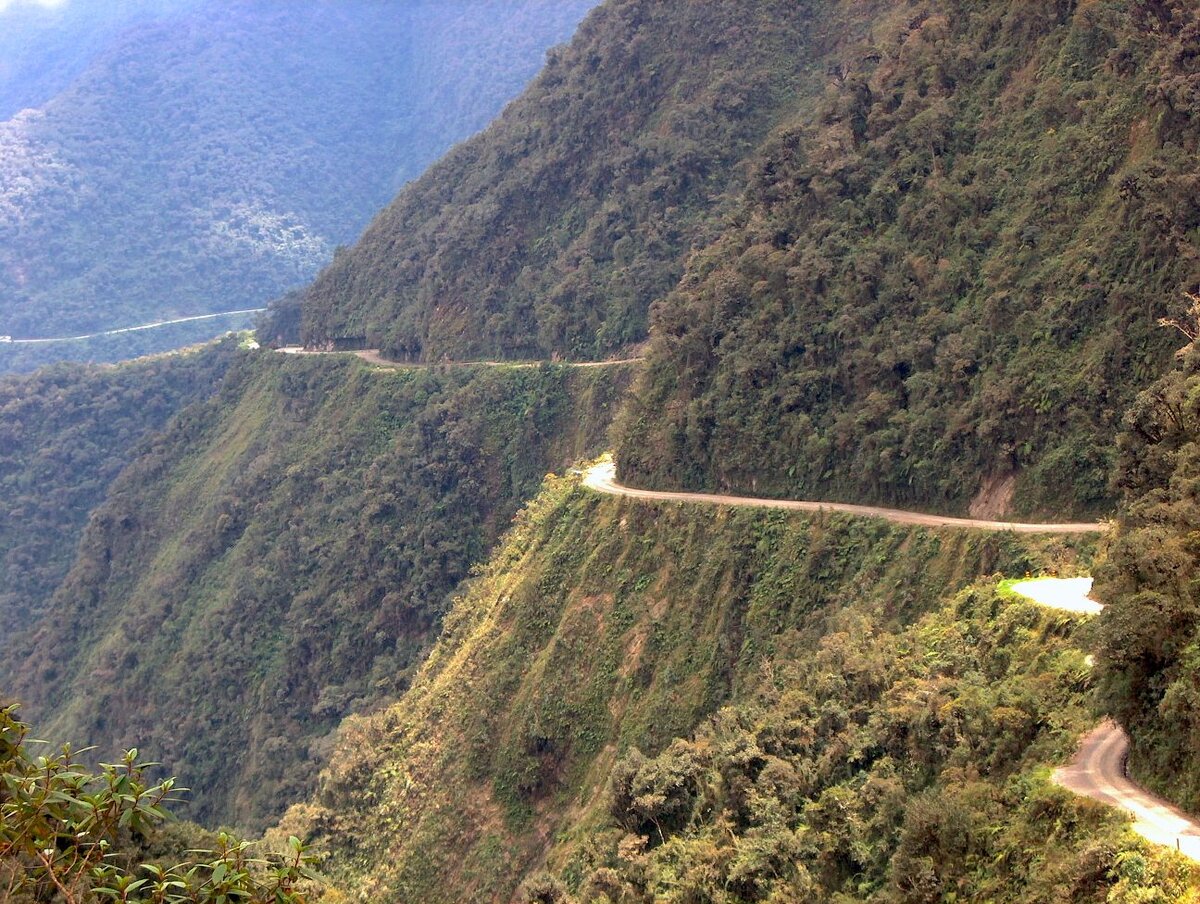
{"x":883,"y":740}
{"x":870,"y":234}
{"x":900,"y":250}
{"x":44,"y":47}
{"x":944,"y":282}
{"x":281,"y":556}
{"x":65,"y":434}
{"x":210,"y":159}
{"x":554,"y":230}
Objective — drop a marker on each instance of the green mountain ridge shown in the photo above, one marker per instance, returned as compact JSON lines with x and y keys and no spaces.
{"x":985,"y":193}
{"x":554,"y":230}
{"x":65,"y":435}
{"x":871,"y":725}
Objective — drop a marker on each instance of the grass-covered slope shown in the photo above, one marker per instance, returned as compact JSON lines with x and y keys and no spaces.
{"x":862,"y":727}
{"x":943,"y":285}
{"x":281,"y":556}
{"x":214,"y":157}
{"x":65,"y":434}
{"x":555,"y":229}
{"x":899,"y":766}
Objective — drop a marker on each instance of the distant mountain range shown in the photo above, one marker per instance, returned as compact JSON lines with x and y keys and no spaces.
{"x":207,"y":156}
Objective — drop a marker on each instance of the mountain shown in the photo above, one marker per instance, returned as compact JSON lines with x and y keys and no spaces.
{"x":903,"y":251}
{"x":45,"y":45}
{"x":869,"y":236}
{"x":639,"y":701}
{"x":553,"y":231}
{"x":214,"y":157}
{"x":943,"y":287}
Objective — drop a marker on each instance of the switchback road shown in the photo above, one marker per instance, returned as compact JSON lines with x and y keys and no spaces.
{"x":1098,"y":772}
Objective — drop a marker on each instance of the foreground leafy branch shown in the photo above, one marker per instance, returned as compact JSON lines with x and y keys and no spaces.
{"x":70,"y":835}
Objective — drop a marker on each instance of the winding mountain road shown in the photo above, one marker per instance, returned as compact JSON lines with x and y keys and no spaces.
{"x":1098,"y":769}
{"x":1098,"y":772}
{"x":602,"y":477}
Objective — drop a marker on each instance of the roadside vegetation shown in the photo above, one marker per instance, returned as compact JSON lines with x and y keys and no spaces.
{"x":908,"y":252}
{"x":1151,"y":627}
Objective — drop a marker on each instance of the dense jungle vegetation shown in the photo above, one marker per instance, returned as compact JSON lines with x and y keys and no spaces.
{"x":832,"y":709}
{"x":281,"y":556}
{"x":213,"y":157}
{"x":1151,"y":630}
{"x":65,"y":434}
{"x":870,"y":234}
{"x":948,"y":268}
{"x":553,"y":231}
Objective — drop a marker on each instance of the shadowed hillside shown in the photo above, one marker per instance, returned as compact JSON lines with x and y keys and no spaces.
{"x":281,"y":556}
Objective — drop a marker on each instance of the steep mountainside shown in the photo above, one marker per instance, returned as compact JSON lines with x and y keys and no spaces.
{"x":281,"y":556}
{"x":65,"y":435}
{"x":1151,"y":631}
{"x":212,"y":160}
{"x":884,"y":742}
{"x":945,"y":279}
{"x":554,"y":230}
{"x":956,"y":198}
{"x":911,"y":251}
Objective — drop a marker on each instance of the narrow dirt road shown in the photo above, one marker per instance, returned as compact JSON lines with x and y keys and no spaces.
{"x":1098,"y":769}
{"x":1098,"y":772}
{"x":374,"y":356}
{"x":602,"y":478}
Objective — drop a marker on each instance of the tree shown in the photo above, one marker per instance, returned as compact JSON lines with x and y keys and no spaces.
{"x":73,"y":836}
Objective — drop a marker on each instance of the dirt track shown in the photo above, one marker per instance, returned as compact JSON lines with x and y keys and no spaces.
{"x":374,"y":356}
{"x":1098,"y":772}
{"x":602,"y":478}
